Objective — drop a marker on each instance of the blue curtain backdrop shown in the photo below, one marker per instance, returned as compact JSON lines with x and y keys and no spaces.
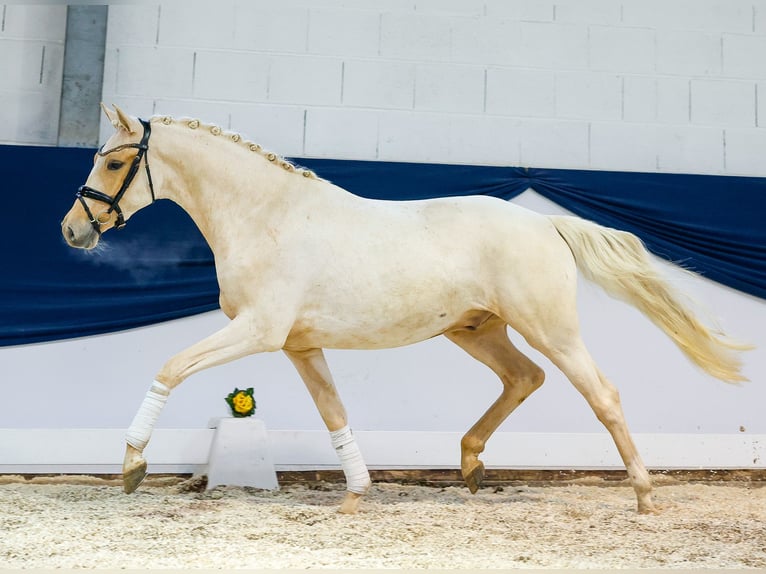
{"x":160,"y":268}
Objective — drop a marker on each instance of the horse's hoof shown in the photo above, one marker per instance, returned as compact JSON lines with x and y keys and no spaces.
{"x":350,"y":504}
{"x":474,"y":477}
{"x":133,"y":477}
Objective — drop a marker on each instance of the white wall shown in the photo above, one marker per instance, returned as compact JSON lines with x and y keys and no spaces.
{"x":31,"y":67}
{"x":672,"y":86}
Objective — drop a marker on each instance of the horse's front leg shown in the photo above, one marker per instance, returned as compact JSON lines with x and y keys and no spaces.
{"x":237,"y":339}
{"x":312,"y":367}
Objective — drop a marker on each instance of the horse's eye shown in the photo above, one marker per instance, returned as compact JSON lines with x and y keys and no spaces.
{"x":114,"y":165}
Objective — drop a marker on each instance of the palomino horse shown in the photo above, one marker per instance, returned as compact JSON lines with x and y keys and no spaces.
{"x":305,"y":265}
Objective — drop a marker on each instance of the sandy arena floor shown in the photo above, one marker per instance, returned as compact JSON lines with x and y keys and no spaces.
{"x":168,"y":525}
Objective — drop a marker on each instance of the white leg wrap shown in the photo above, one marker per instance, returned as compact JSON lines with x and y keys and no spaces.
{"x":357,"y":477}
{"x":141,"y":428}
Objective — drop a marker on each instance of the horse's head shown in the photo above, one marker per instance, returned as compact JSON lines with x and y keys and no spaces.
{"x":116,"y":187}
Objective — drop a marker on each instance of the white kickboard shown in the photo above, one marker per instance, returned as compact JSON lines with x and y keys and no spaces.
{"x":240,"y":455}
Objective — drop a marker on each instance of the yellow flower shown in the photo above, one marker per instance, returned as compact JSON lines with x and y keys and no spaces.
{"x":242,"y":402}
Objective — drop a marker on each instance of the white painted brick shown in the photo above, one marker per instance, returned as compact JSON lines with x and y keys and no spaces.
{"x":34,"y":22}
{"x":278,"y":128}
{"x":521,"y":10}
{"x":520,"y":92}
{"x":588,"y":95}
{"x":588,"y":11}
{"x":133,"y":24}
{"x":206,"y":112}
{"x":347,"y":33}
{"x":415,"y":36}
{"x":447,"y":87}
{"x":623,"y":147}
{"x":704,"y":15}
{"x":29,"y":118}
{"x":744,"y":56}
{"x":224,"y":75}
{"x":688,"y":53}
{"x":305,"y":80}
{"x":29,"y":65}
{"x":379,"y":84}
{"x":760,"y":110}
{"x":651,"y":99}
{"x":759,"y":17}
{"x":154,"y":71}
{"x":723,"y":103}
{"x":622,"y":49}
{"x":690,"y":149}
{"x":560,"y":46}
{"x":196,"y":25}
{"x":554,"y":144}
{"x":481,"y":140}
{"x":455,"y":7}
{"x":341,"y":133}
{"x":487,"y":41}
{"x":270,"y":28}
{"x":745,"y":150}
{"x":414,"y":137}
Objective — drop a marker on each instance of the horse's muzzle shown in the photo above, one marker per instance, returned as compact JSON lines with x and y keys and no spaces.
{"x":78,"y":235}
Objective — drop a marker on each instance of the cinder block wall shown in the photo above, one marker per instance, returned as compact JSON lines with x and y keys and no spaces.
{"x":31,"y":68}
{"x":644,"y":85}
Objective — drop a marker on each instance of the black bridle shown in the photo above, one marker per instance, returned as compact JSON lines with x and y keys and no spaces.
{"x":114,"y":202}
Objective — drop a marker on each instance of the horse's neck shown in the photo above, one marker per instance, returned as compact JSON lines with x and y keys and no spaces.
{"x":224,"y":187}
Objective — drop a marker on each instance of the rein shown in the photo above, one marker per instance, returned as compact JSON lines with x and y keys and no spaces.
{"x":114,"y":202}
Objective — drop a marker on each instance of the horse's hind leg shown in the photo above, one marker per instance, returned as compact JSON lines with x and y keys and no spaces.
{"x":312,"y":367}
{"x":576,"y":363}
{"x":489,"y":344}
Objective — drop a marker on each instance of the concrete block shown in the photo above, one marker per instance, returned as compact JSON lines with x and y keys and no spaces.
{"x":196,"y":25}
{"x":521,"y":10}
{"x":379,"y":84}
{"x":240,"y":455}
{"x":744,"y":56}
{"x":482,"y":140}
{"x":487,"y":41}
{"x":31,"y":21}
{"x":558,"y":46}
{"x":133,"y":23}
{"x":30,"y":65}
{"x":228,"y":75}
{"x":278,"y":128}
{"x":554,"y":143}
{"x":344,"y":32}
{"x":447,"y":87}
{"x":622,"y":49}
{"x":414,"y":137}
{"x":29,"y":117}
{"x":588,"y":12}
{"x":341,"y":133}
{"x":760,"y":99}
{"x":270,"y":28}
{"x":588,"y":95}
{"x":520,"y":92}
{"x":652,"y":99}
{"x":453,"y":7}
{"x":723,"y":103}
{"x":623,"y":146}
{"x":688,"y":53}
{"x":745,"y":150}
{"x":415,"y":36}
{"x":690,"y":149}
{"x":759,"y":17}
{"x":153,"y":71}
{"x":305,"y":80}
{"x":708,"y":15}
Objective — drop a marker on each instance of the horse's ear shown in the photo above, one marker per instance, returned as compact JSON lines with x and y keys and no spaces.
{"x":110,"y":115}
{"x":124,"y":121}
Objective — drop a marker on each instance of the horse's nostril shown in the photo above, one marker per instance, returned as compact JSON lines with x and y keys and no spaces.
{"x":70,"y":233}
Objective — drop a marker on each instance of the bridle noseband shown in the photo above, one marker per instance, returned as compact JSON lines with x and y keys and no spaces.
{"x":114,"y":202}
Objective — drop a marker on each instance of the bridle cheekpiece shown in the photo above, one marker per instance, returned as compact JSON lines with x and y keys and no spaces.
{"x":114,"y":202}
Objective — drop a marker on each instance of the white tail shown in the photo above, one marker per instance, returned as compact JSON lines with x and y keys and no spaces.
{"x":619,"y":262}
